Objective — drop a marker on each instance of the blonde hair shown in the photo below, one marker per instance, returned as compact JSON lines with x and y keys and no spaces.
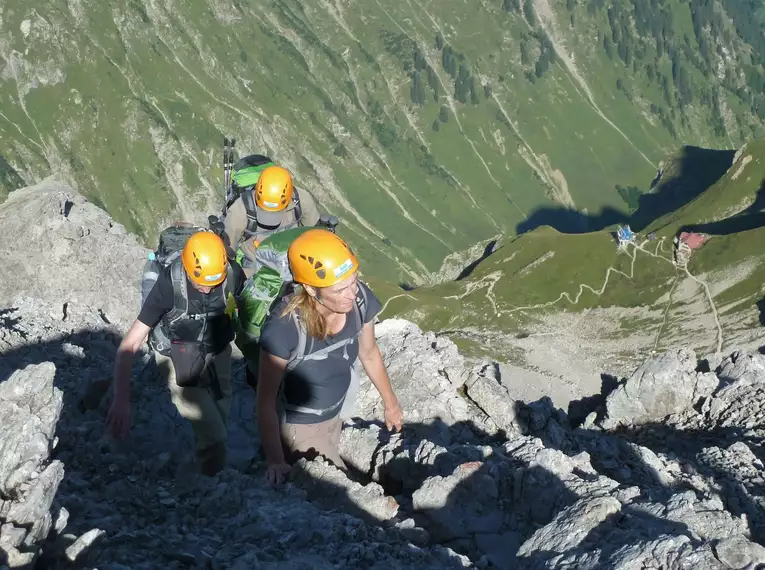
{"x":305,"y":307}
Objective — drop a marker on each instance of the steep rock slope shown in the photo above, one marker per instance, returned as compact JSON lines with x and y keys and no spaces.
{"x":64,"y":249}
{"x":664,"y":472}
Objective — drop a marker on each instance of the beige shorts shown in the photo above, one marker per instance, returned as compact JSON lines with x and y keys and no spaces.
{"x":310,"y":440}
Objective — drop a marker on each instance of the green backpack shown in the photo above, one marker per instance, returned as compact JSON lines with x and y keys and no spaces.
{"x":244,"y":175}
{"x":270,"y":282}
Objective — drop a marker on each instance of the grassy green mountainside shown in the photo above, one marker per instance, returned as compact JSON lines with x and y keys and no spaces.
{"x":426,"y":126}
{"x":583,"y":290}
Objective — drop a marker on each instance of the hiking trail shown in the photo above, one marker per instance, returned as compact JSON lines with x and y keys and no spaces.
{"x":413,"y":196}
{"x":335,"y":10}
{"x":701,"y":282}
{"x":491,"y":280}
{"x":665,"y":315}
{"x":22,"y":133}
{"x":392,"y":195}
{"x":456,"y":116}
{"x":385,"y":305}
{"x":539,"y":167}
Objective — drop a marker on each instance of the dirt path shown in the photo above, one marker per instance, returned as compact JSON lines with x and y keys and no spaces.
{"x":385,"y":305}
{"x":567,"y":354}
{"x":535,"y":162}
{"x":701,"y":282}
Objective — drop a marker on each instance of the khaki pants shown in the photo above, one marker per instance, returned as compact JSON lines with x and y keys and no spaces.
{"x":208,"y":416}
{"x":310,"y":440}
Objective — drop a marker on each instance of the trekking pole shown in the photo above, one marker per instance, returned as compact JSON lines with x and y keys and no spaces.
{"x":230,"y":168}
{"x":228,"y":165}
{"x":225,"y":166}
{"x":225,"y":176}
{"x":231,"y":158}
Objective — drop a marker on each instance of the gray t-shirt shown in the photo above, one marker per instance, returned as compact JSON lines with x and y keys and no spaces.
{"x":316,"y":384}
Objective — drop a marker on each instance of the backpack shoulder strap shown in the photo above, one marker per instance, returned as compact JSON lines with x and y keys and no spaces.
{"x":300,"y":352}
{"x":361,"y":306}
{"x":298,"y":207}
{"x":361,"y":301}
{"x":180,"y":293}
{"x":248,"y":199}
{"x":358,"y":315}
{"x":297,"y":355}
{"x":225,"y":288}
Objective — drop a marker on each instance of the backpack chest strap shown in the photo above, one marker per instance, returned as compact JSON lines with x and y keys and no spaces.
{"x":312,"y":411}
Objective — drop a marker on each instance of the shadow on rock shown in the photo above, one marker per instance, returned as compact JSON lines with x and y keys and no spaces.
{"x":517,"y":488}
{"x":458,"y":485}
{"x":490,"y":248}
{"x":72,"y":474}
{"x":726,"y":460}
{"x":761,"y":308}
{"x":578,"y":410}
{"x":72,"y":495}
{"x":9,"y":321}
{"x":686,"y":446}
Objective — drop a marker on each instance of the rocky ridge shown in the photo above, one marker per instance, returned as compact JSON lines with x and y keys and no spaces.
{"x":663,"y":472}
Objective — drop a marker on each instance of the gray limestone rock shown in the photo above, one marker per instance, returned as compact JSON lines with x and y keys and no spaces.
{"x":658,"y":388}
{"x":672,"y":479}
{"x":29,"y":407}
{"x":70,"y":252}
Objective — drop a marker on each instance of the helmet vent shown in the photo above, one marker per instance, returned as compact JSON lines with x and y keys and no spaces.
{"x":197,"y":265}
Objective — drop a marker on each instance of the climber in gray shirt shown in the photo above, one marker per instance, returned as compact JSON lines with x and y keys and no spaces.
{"x":309,"y":346}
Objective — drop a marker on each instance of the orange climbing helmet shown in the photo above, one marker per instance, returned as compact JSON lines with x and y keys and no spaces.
{"x":274,"y":190}
{"x":204,"y":259}
{"x":320,"y":258}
